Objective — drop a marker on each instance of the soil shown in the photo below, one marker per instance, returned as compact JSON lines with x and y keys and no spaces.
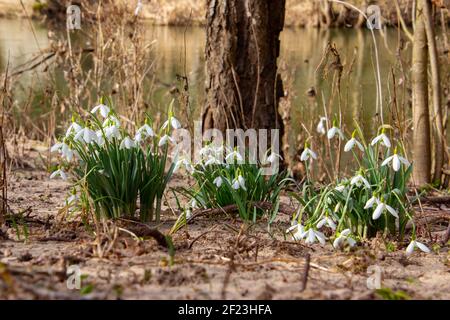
{"x":215,"y":257}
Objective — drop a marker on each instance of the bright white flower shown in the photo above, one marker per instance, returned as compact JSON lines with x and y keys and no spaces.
{"x":86,"y":135}
{"x":326,"y":221}
{"x":239,"y":183}
{"x":273,"y":157}
{"x":383,"y":139}
{"x":299,"y":234}
{"x":340,"y":188}
{"x":56,"y":147}
{"x":112,"y":132}
{"x":104,"y":110}
{"x":396,"y":162}
{"x":313,"y":235}
{"x":359,"y":180}
{"x":111,"y":121}
{"x":144,"y":132}
{"x":187,"y":165}
{"x":164,"y":139}
{"x":343,"y":237}
{"x":127,"y":143}
{"x":173,"y":122}
{"x":212,"y":160}
{"x":308,"y":154}
{"x":351,"y":144}
{"x":138,"y":8}
{"x":59,"y":173}
{"x":74,"y":127}
{"x":71,"y":200}
{"x":371,"y":202}
{"x":321,"y":126}
{"x":218,"y":181}
{"x":234,"y":157}
{"x":333,"y":132}
{"x":416,"y":244}
{"x":381,"y":208}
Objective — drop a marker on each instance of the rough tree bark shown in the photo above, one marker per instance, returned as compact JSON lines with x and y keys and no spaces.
{"x":421,"y":117}
{"x":425,"y":5}
{"x":242,"y":84}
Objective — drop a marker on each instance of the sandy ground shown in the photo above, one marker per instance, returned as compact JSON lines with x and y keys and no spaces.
{"x":213,"y":259}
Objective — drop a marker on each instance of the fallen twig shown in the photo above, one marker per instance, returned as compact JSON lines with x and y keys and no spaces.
{"x":306,"y":272}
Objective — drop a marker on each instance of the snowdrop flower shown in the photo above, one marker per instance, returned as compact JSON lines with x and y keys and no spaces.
{"x":86,"y":135}
{"x":416,"y":244}
{"x":164,"y":139}
{"x":239,"y":183}
{"x":359,"y":180}
{"x":112,"y":132}
{"x":343,"y":237}
{"x":326,"y":221}
{"x":371,"y":202}
{"x":71,"y":200}
{"x":299,"y":234}
{"x":340,"y":188}
{"x":59,"y":173}
{"x":144,"y":132}
{"x":187,"y":165}
{"x":104,"y":110}
{"x":383,"y":139}
{"x":173,"y":122}
{"x":382,"y":207}
{"x":127,"y":143}
{"x":64,"y":150}
{"x":138,"y":8}
{"x":396,"y":161}
{"x":312,"y":235}
{"x":234,"y":157}
{"x":111,"y":121}
{"x":74,"y":127}
{"x":352,"y":142}
{"x":333,"y":132}
{"x":212,"y":160}
{"x":308,"y":154}
{"x":188,"y":214}
{"x":273,"y":157}
{"x":218,"y":181}
{"x":321,"y":126}
{"x":100,"y":139}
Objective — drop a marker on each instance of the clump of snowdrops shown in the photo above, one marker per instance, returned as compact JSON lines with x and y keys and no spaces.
{"x":372,"y":201}
{"x":113,"y":169}
{"x":224,"y":176}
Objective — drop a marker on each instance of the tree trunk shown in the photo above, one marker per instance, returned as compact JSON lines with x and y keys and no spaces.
{"x":421,"y":117}
{"x":242,"y":84}
{"x":436,"y":87}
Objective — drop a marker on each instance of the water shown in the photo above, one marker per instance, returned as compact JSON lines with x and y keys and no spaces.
{"x":300,"y":55}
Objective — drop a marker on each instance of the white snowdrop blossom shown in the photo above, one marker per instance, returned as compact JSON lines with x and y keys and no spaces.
{"x":273,"y":157}
{"x":144,"y":132}
{"x":382,"y":207}
{"x":359,"y":180}
{"x":104,"y":110}
{"x":321,"y":126}
{"x":416,"y":244}
{"x":127,"y":143}
{"x":308,"y":154}
{"x":396,"y":162}
{"x":383,"y":139}
{"x":344,"y":237}
{"x":239,"y":183}
{"x":100,"y":139}
{"x":165,"y":139}
{"x":59,"y":173}
{"x":352,"y":143}
{"x":299,"y":234}
{"x":71,"y":200}
{"x":111,"y":121}
{"x":218,"y":182}
{"x":312,"y":236}
{"x":73,"y":128}
{"x":326,"y":221}
{"x":64,"y":150}
{"x":112,"y":131}
{"x":86,"y":135}
{"x":173,"y":122}
{"x":371,"y":202}
{"x":340,"y":188}
{"x":333,"y":132}
{"x":234,"y":157}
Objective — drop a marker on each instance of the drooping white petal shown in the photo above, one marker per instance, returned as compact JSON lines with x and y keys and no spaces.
{"x":127,"y":143}
{"x":104,"y":110}
{"x":321,"y":223}
{"x":345,"y":232}
{"x":320,"y":236}
{"x":392,"y":211}
{"x":175,"y":123}
{"x":241,"y":181}
{"x":371,"y":202}
{"x":218,"y":182}
{"x":350,"y":144}
{"x":422,"y":247}
{"x":337,"y":242}
{"x":410,"y":248}
{"x":395,"y":163}
{"x":235,"y":185}
{"x":386,"y":161}
{"x":404,"y":161}
{"x":378,"y":211}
